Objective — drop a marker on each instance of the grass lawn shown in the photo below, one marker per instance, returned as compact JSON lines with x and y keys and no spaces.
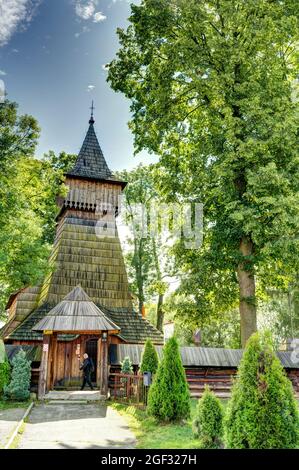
{"x":5,"y":405}
{"x":153,"y":435}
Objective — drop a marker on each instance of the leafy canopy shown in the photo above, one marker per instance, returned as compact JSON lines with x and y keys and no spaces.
{"x":213,"y":92}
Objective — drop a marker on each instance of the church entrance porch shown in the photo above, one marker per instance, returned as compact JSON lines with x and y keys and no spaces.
{"x":78,"y":318}
{"x":65,"y":373}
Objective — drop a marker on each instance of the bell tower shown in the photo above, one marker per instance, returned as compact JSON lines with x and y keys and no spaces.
{"x":87,"y":250}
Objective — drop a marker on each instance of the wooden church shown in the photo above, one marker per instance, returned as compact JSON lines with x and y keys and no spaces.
{"x":84,"y":305}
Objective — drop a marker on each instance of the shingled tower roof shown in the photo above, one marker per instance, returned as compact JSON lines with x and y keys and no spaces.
{"x":90,"y":161}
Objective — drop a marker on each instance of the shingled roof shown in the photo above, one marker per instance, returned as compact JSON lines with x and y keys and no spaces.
{"x":76,"y":313}
{"x":91,"y":162}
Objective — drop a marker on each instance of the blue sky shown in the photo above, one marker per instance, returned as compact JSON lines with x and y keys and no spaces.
{"x":52,"y":54}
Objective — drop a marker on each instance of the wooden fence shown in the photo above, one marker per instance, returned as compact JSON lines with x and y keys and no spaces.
{"x":128,"y":388}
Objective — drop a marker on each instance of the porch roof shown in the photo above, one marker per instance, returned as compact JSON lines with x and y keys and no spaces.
{"x":76,"y":313}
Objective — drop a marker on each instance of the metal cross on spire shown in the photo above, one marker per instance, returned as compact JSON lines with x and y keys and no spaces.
{"x":91,"y":120}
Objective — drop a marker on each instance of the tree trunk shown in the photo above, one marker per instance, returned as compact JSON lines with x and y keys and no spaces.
{"x":247,"y":305}
{"x":160,"y":312}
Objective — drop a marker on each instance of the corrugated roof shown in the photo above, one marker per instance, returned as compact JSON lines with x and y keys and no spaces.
{"x":196,"y":356}
{"x":76,"y":313}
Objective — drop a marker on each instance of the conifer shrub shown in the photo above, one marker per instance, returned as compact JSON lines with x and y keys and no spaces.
{"x":262,"y":412}
{"x":149,"y":360}
{"x":208,"y":421}
{"x":169,"y":398}
{"x":19,"y":386}
{"x":126,"y":366}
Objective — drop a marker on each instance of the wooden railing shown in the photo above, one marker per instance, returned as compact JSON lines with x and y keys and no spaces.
{"x":127,"y":388}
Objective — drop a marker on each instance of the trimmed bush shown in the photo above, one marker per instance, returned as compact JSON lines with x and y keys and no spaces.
{"x":262,"y":412}
{"x":208,"y":422}
{"x":168,"y":398}
{"x":126,"y":366}
{"x":18,"y":388}
{"x":149,"y":360}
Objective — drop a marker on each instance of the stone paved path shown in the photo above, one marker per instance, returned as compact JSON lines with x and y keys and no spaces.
{"x":8,"y":421}
{"x":76,"y":426}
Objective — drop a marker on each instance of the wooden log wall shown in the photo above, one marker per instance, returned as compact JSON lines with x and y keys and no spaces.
{"x":220,"y":380}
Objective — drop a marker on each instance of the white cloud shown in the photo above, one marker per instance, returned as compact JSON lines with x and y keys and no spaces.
{"x":15,"y":15}
{"x":2,"y":73}
{"x":86,"y":10}
{"x":90,"y":87}
{"x":98,"y":16}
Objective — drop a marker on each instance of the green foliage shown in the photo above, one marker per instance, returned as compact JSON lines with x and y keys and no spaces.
{"x":217,"y":330}
{"x":4,"y":367}
{"x":19,"y":386}
{"x":4,"y":374}
{"x":149,"y":360}
{"x":262,"y":412}
{"x":169,"y":398}
{"x":28,"y":190}
{"x":213,"y":93}
{"x":208,"y":422}
{"x":126,"y":366}
{"x":146,"y":256}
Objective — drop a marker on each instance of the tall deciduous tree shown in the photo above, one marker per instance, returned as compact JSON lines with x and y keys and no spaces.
{"x":28,"y":190}
{"x":147,"y":258}
{"x":212,"y":91}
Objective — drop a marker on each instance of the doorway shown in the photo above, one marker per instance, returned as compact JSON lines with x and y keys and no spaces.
{"x":91,"y":348}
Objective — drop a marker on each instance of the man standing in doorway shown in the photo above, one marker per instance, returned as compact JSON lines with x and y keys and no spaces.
{"x":87,"y":367}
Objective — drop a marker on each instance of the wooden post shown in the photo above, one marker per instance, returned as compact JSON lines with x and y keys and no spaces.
{"x":42,"y":382}
{"x":104,"y":365}
{"x":98,"y":365}
{"x":54,"y":347}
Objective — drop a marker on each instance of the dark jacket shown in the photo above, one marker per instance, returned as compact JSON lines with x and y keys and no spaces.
{"x":87,"y":366}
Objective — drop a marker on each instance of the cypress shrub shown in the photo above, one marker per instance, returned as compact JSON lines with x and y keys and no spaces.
{"x":18,"y":388}
{"x":126,"y":366}
{"x":168,"y":398}
{"x":208,"y":421}
{"x":149,"y":360}
{"x":262,"y":412}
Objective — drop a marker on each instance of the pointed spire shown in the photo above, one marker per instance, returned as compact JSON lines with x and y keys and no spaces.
{"x":90,"y":162}
{"x":91,"y":120}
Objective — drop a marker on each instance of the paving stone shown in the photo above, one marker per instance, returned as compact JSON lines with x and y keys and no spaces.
{"x":76,"y":426}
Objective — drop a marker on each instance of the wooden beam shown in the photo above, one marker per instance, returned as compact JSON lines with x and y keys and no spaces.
{"x":54,"y":347}
{"x":104,"y":367}
{"x":98,"y":364}
{"x":42,"y":382}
